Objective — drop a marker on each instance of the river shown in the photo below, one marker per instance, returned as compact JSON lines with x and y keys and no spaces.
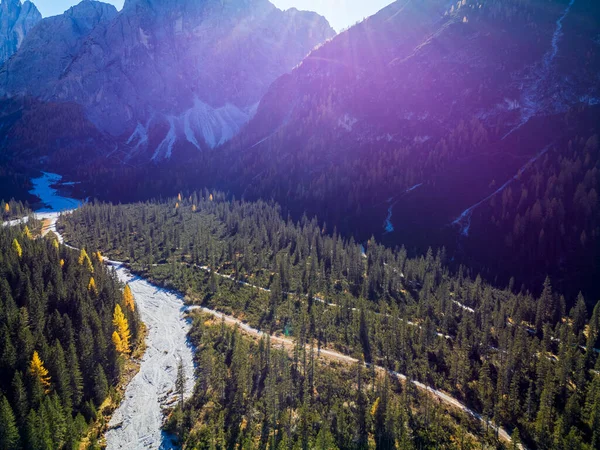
{"x":137,"y":422}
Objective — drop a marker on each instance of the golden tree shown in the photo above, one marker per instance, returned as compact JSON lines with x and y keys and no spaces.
{"x":85,"y":259}
{"x":194,"y":208}
{"x":37,"y":369}
{"x":27,"y":232}
{"x":122,"y":330}
{"x":55,"y":244}
{"x":62,"y":263}
{"x":179,"y":197}
{"x":17,"y":247}
{"x":128,"y":298}
{"x":92,"y":286}
{"x":118,"y":343}
{"x":6,"y":208}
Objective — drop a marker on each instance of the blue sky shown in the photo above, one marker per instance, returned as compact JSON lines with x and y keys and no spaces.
{"x":340,"y":13}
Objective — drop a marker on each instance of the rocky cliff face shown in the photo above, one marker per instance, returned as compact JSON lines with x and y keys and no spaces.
{"x":16,"y":20}
{"x":164,"y":74}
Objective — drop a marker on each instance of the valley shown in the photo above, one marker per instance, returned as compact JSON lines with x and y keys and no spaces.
{"x":226,"y":225}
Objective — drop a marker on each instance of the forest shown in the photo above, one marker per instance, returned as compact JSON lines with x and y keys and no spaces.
{"x":60,"y":310}
{"x":282,"y":398}
{"x":527,"y":362}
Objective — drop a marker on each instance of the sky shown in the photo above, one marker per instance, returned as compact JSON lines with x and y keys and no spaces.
{"x":340,"y":13}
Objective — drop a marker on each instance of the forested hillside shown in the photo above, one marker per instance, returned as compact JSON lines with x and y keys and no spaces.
{"x":59,"y":312}
{"x":524,"y":361}
{"x":281,"y":398}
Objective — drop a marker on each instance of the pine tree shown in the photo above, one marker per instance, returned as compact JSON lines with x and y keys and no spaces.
{"x":39,"y":372}
{"x":17,"y":247}
{"x":100,"y":385}
{"x":128,"y":299}
{"x":180,"y":382}
{"x":122,"y":329}
{"x":19,"y":397}
{"x":9,"y":433}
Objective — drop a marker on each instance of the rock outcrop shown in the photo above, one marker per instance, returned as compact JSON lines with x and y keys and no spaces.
{"x":16,"y":20}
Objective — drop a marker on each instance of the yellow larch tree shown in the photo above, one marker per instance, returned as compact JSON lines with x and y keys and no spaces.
{"x":17,"y":247}
{"x":122,"y":329}
{"x":85,"y":259}
{"x":92,"y":286}
{"x":55,"y":244}
{"x":211,"y":198}
{"x":62,"y":263}
{"x":6,"y":208}
{"x":179,"y":197}
{"x":118,"y":343}
{"x":27,"y":232}
{"x":37,"y":369}
{"x":128,"y":298}
{"x":194,"y":208}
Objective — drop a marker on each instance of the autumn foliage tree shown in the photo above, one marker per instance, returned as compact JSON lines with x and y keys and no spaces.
{"x":84,"y":259}
{"x":128,"y":299}
{"x":39,"y":372}
{"x":17,"y":247}
{"x":121,"y":335}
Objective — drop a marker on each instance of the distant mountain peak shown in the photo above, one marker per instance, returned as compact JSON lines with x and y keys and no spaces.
{"x":16,"y":20}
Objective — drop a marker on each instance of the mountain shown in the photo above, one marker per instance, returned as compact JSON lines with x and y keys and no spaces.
{"x":163,"y":74}
{"x":410,"y":124}
{"x":16,"y":20}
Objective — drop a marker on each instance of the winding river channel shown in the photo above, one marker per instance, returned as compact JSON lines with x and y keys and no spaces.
{"x":136,"y":424}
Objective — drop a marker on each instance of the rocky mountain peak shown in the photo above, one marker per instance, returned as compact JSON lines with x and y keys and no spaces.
{"x":16,"y":20}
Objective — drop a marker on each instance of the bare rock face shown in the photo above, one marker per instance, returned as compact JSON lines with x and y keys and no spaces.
{"x":16,"y":20}
{"x":164,"y":73}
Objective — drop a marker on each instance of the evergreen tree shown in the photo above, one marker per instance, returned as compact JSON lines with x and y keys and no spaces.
{"x":9,"y":433}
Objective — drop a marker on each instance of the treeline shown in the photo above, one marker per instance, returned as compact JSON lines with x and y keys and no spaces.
{"x":13,"y":209}
{"x":253,"y":395}
{"x":523,"y":361}
{"x":58,"y":363}
{"x":551,"y":213}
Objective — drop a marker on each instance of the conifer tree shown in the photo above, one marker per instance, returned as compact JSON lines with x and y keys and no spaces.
{"x":27,"y":233}
{"x":17,"y":247}
{"x":92,"y":286}
{"x":100,"y":385}
{"x":180,"y":382}
{"x":84,"y":259}
{"x":9,"y":433}
{"x":128,"y":299}
{"x":37,"y":370}
{"x":122,"y":329}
